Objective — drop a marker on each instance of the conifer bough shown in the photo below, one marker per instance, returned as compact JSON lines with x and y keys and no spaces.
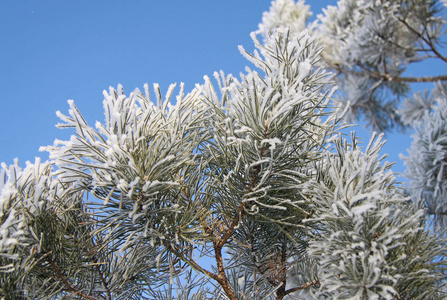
{"x":250,"y":173}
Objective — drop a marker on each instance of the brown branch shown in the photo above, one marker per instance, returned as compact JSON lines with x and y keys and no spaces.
{"x":192,"y":263}
{"x":274,"y":274}
{"x":207,"y":229}
{"x":104,"y":283}
{"x":388,"y":77}
{"x":65,"y":281}
{"x":431,"y":212}
{"x":414,"y":79}
{"x":277,"y":270}
{"x":95,"y":260}
{"x":281,"y":293}
{"x":219,"y":243}
{"x":268,"y":278}
{"x":299,"y":288}
{"x":230,"y":230}
{"x":428,"y":41}
{"x":221,"y":276}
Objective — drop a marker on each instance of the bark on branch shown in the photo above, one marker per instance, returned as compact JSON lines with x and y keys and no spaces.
{"x":68,"y":286}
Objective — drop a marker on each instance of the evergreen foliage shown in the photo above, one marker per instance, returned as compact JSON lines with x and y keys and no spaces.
{"x":426,"y":162}
{"x":370,"y":45}
{"x":250,"y":173}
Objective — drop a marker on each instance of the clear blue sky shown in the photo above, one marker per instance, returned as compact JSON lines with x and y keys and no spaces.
{"x":52,"y":51}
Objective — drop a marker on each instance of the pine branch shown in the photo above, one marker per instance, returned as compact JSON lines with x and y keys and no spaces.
{"x":96,"y":262}
{"x":230,"y":230}
{"x":388,"y":77}
{"x":64,"y":280}
{"x":239,"y":215}
{"x":193,"y":264}
{"x":221,"y":276}
{"x":428,"y":40}
{"x":414,"y":79}
{"x":281,"y":293}
{"x":299,"y":288}
{"x":101,"y":275}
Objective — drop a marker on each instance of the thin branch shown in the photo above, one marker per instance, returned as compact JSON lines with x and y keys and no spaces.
{"x":221,"y":276}
{"x":218,"y":245}
{"x":268,"y":278}
{"x":227,"y":234}
{"x":239,"y":215}
{"x":299,"y":288}
{"x":389,"y":77}
{"x":104,"y":283}
{"x":415,"y":79}
{"x":96,"y":262}
{"x":193,"y":264}
{"x":65,"y":281}
{"x":428,"y":41}
{"x":431,"y":212}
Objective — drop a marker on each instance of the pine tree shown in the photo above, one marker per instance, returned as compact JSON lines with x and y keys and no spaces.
{"x":370,"y":45}
{"x":427,"y":160}
{"x":244,"y":188}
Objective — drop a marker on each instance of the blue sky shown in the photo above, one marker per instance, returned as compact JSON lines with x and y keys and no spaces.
{"x":52,"y":51}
